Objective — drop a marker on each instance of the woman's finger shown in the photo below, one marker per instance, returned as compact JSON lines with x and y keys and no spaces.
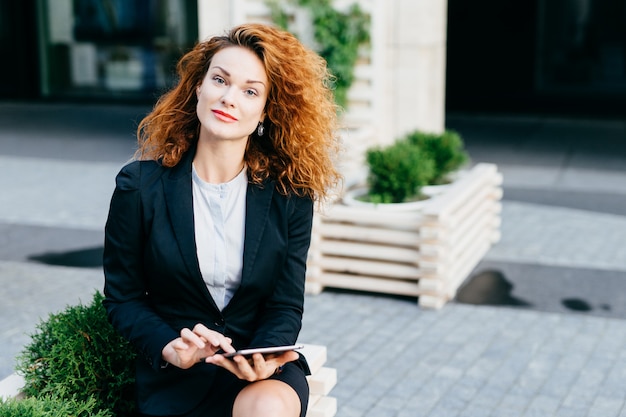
{"x":237,"y":365}
{"x":227,"y":363}
{"x":213,"y":338}
{"x":178,"y":344}
{"x":191,"y":337}
{"x":248,"y":371}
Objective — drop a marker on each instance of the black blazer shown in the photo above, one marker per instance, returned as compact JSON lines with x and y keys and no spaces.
{"x":153,"y":286}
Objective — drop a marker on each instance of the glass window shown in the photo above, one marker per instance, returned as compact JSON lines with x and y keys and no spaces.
{"x":113,"y":48}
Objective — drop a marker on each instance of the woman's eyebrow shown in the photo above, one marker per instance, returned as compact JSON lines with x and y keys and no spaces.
{"x":222,"y":69}
{"x":247,"y":81}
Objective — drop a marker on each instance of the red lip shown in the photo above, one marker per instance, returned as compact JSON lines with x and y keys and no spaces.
{"x":224,"y":115}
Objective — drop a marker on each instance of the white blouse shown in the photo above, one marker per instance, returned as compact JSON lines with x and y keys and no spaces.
{"x":219,"y":219}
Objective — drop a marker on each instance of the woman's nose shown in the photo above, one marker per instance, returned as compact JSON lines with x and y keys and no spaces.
{"x":227,"y":97}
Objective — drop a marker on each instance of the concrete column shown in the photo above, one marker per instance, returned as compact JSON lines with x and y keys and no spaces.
{"x":416,"y":65}
{"x":408,"y":58}
{"x":214,"y":17}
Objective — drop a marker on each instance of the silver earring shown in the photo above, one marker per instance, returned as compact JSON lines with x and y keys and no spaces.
{"x":260,"y":129}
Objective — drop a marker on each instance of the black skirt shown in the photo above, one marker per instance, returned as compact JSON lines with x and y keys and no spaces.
{"x":220,"y":399}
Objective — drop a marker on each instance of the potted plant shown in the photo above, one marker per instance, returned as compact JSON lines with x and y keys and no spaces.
{"x":397,"y":172}
{"x":446,"y":150}
{"x":397,"y":238}
{"x":410,"y":169}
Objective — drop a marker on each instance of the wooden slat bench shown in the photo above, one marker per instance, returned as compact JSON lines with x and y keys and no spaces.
{"x":321,"y":381}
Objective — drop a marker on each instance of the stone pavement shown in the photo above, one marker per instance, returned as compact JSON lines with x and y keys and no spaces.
{"x":393,"y":358}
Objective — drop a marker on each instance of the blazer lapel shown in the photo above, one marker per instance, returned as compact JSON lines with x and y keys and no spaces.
{"x":258,"y":201}
{"x":179,"y":199}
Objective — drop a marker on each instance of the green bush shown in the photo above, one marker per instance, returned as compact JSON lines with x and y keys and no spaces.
{"x":446,"y":150}
{"x":48,"y":406}
{"x":397,"y":172}
{"x":76,"y":355}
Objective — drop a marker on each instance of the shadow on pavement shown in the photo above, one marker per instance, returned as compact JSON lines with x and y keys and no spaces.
{"x":82,"y":258}
{"x":489,"y":288}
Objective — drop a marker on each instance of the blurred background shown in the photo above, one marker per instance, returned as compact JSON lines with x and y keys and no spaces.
{"x":536,"y":87}
{"x":93,"y":50}
{"x":541,"y":56}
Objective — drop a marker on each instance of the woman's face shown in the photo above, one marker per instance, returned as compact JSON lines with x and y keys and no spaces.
{"x":232,"y":96}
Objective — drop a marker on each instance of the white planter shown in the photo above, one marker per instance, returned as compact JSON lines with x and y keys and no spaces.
{"x":424,"y":251}
{"x":351,"y":199}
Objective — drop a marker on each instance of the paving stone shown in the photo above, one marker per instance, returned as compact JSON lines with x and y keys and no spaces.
{"x":606,"y":407}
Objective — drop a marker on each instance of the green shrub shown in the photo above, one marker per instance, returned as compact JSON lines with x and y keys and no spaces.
{"x":77,"y":355}
{"x":397,"y":172}
{"x":445,"y":149}
{"x":48,"y":406}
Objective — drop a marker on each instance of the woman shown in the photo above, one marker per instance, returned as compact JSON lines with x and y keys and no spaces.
{"x":208,"y":230}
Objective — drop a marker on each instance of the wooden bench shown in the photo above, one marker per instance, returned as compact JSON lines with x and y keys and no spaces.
{"x":321,"y":381}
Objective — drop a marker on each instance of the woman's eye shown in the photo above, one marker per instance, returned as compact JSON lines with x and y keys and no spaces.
{"x":250,"y":93}
{"x":218,"y":79}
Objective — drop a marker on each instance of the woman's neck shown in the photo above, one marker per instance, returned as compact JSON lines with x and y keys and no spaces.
{"x":218,"y":164}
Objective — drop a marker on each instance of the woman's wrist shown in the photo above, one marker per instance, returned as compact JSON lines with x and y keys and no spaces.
{"x":168,"y":356}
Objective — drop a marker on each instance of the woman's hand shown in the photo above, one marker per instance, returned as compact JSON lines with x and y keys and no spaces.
{"x":256,"y":369}
{"x":194,"y":346}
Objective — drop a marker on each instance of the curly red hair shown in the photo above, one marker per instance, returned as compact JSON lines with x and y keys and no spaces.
{"x":300,"y":143}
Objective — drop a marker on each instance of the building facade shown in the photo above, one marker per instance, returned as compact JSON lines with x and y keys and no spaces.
{"x":538,"y":56}
{"x":93,"y":49}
